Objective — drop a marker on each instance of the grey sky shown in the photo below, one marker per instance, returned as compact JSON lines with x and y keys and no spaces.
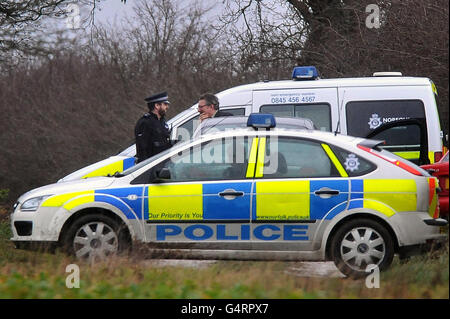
{"x":111,"y":12}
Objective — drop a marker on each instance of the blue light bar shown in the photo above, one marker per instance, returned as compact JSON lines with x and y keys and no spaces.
{"x":305,"y":73}
{"x":261,"y":120}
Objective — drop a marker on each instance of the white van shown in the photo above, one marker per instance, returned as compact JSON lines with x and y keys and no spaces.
{"x":387,"y":106}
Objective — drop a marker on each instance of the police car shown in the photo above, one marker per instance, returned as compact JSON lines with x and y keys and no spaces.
{"x":256,"y":193}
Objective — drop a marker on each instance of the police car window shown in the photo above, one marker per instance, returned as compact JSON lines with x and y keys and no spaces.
{"x":219,"y":159}
{"x":353,"y":164}
{"x":319,"y":113}
{"x":296,"y":158}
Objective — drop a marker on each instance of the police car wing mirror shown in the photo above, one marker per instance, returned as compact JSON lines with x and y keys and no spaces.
{"x":163,"y":174}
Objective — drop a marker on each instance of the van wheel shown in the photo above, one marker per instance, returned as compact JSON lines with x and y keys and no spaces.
{"x":95,"y":237}
{"x":360,"y":243}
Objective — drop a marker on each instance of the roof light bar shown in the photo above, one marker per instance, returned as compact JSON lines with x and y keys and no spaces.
{"x":261,"y":120}
{"x":305,"y":73}
{"x":386,"y":74}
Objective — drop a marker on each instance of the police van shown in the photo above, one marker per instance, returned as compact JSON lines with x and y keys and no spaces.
{"x":398,"y":109}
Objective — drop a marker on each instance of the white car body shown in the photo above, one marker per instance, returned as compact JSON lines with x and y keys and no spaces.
{"x":291,"y":216}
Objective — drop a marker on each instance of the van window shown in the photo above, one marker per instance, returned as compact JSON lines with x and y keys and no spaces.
{"x":319,"y":113}
{"x":365,"y":116}
{"x":235,"y":112}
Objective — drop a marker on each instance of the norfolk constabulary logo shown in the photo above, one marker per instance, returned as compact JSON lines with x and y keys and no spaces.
{"x":351,"y":163}
{"x":374,"y":121}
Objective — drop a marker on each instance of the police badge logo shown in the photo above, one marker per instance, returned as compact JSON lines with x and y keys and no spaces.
{"x":351,"y":163}
{"x":374,"y":121}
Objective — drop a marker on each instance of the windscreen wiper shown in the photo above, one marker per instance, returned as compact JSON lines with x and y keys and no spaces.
{"x":116,"y":174}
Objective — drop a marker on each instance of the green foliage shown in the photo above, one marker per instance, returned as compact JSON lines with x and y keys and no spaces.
{"x":4,"y":195}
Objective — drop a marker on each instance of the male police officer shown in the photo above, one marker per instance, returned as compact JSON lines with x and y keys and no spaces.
{"x":151,"y":131}
{"x":208,"y":106}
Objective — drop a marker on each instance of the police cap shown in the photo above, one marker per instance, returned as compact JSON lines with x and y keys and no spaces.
{"x":158,"y":98}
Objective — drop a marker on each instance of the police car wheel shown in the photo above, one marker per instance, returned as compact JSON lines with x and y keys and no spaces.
{"x":94,"y":237}
{"x":359,"y":245}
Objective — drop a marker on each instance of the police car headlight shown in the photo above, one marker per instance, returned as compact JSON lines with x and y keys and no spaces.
{"x":33,"y":204}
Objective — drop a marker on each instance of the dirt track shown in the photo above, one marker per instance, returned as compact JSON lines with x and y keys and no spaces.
{"x":299,"y":269}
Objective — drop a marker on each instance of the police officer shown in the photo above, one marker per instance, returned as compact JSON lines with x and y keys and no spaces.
{"x":151,"y":130}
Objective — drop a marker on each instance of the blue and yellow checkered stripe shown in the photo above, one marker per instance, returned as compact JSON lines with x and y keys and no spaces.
{"x":268,"y":200}
{"x":197,"y":202}
{"x":112,"y":168}
{"x":128,"y":200}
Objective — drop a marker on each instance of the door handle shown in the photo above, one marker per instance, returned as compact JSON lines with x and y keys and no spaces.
{"x":326,"y":192}
{"x":231,"y":193}
{"x":228,"y":193}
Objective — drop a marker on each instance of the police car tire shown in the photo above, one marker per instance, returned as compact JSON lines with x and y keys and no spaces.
{"x":118,"y":237}
{"x":361,"y":224}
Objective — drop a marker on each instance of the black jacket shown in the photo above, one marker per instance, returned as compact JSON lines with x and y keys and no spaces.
{"x":152,"y":136}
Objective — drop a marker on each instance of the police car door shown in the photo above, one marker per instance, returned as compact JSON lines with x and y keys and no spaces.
{"x":206,"y":201}
{"x":298,"y":184}
{"x":318,"y":104}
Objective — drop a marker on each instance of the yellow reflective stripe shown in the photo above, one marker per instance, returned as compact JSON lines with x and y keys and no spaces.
{"x":431,"y":157}
{"x":379,"y":207}
{"x":408,"y":155}
{"x":59,"y":200}
{"x":433,"y":88}
{"x":415,"y":155}
{"x":400,"y":194}
{"x":260,"y":161}
{"x":175,"y":201}
{"x":107,"y":169}
{"x":335,"y":161}
{"x":79,"y":201}
{"x":252,"y":159}
{"x":282,"y":200}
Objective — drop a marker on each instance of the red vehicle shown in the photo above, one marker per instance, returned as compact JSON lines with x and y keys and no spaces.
{"x":440,"y":170}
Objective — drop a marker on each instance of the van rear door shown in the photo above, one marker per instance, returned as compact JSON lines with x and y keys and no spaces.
{"x":367,"y":108}
{"x":396,"y":137}
{"x":317,"y":104}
